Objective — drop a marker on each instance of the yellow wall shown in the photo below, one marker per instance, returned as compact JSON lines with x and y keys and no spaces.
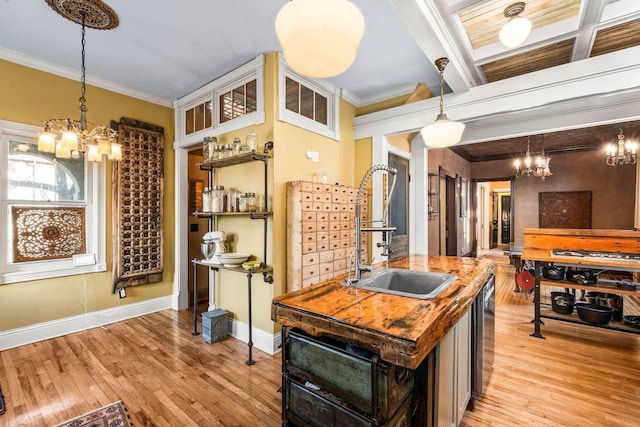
{"x":289,"y":163}
{"x":30,"y":96}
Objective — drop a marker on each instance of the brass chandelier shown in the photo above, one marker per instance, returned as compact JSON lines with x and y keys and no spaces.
{"x":538,"y":167}
{"x":68,"y":138}
{"x":623,"y":153}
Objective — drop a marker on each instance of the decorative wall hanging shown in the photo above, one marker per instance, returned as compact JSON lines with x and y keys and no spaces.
{"x":137,"y":204}
{"x":47,"y":233}
{"x":565,"y":209}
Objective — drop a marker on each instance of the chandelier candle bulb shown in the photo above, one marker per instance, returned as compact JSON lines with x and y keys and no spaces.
{"x":69,"y":140}
{"x":116,"y":152}
{"x":104,"y":145}
{"x":47,"y":142}
{"x":93,"y":155}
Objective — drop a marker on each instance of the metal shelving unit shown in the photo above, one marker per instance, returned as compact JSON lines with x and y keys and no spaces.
{"x":264,"y":214}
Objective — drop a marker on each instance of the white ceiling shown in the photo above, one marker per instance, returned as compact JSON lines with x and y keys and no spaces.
{"x":164,"y":49}
{"x":168,"y":48}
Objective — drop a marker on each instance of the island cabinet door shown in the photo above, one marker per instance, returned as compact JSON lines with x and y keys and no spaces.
{"x":453,"y":389}
{"x":347,"y":374}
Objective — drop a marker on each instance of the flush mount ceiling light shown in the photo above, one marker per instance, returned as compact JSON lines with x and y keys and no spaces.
{"x":319,"y":38}
{"x":443,"y":132}
{"x":622,"y":153}
{"x":68,"y":138}
{"x":517,"y":29}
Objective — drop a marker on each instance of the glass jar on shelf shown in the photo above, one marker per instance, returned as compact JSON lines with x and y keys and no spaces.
{"x":232,"y":200}
{"x":205,"y":150}
{"x":236,"y":146}
{"x":206,"y":199}
{"x":227,"y":151}
{"x":218,"y":199}
{"x":252,"y":141}
{"x":247,"y":202}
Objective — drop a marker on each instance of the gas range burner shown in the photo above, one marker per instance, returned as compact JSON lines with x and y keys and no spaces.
{"x":620,"y":256}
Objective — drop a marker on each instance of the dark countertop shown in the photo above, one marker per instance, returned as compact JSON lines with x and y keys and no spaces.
{"x":401,"y":330}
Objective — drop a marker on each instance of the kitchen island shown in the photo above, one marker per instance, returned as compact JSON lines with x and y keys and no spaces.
{"x":401,"y":332}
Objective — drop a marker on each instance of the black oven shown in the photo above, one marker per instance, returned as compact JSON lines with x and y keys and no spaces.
{"x":482,"y":338}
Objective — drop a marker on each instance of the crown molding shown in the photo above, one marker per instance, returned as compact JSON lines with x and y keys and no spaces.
{"x":389,"y":94}
{"x":48,"y":67}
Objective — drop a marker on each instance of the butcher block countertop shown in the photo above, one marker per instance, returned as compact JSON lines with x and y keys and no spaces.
{"x":401,"y":330}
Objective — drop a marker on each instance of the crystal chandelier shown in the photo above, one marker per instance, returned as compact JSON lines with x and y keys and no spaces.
{"x":541,"y":167}
{"x":443,"y":132}
{"x":68,"y":138}
{"x":624,"y":153}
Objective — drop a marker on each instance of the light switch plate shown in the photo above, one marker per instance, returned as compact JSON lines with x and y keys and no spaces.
{"x":84,"y":259}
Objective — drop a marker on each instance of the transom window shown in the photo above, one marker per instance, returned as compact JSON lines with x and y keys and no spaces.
{"x":313,"y":105}
{"x":232,"y":102}
{"x":199,"y":117}
{"x":306,"y":102}
{"x":238,"y":102}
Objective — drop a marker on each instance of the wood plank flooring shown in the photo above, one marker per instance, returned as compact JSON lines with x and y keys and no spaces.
{"x":577,"y":376}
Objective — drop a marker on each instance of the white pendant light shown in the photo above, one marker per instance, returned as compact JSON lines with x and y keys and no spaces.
{"x":443,"y":132}
{"x":517,"y":29}
{"x":319,"y":38}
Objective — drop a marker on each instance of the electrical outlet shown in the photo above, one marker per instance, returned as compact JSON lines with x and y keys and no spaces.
{"x":122,"y":293}
{"x":83,"y":259}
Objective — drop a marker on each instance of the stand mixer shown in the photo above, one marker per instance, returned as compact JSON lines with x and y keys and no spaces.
{"x":213,"y":245}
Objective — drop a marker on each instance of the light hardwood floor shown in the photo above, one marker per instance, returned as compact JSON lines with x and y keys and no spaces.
{"x":577,"y":376}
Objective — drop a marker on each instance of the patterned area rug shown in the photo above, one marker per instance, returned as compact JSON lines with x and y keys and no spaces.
{"x":113,"y":415}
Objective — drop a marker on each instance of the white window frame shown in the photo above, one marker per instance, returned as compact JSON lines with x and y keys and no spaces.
{"x":95,"y":218}
{"x":253,"y":70}
{"x":329,"y":91}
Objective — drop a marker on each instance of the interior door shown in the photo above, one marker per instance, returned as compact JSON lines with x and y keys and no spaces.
{"x":399,"y":207}
{"x":505,"y":203}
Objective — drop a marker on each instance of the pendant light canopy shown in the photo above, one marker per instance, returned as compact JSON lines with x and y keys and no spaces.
{"x":319,"y":38}
{"x":517,"y":29}
{"x":443,"y":132}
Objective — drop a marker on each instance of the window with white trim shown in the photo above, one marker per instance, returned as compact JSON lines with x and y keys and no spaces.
{"x":309,"y":104}
{"x":49,"y":209}
{"x":234,"y":101}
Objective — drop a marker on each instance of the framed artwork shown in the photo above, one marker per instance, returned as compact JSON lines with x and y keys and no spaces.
{"x":464,"y":196}
{"x":565,"y":209}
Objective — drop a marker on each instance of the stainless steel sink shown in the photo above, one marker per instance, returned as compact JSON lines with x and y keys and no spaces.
{"x":408,"y":283}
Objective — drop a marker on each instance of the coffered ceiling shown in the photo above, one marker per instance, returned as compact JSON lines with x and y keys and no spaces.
{"x":584,"y":139}
{"x":165,"y":49}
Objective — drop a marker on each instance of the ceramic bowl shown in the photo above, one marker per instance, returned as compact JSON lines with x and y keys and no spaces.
{"x":233,"y":259}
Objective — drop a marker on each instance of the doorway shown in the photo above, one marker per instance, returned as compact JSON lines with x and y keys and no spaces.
{"x":198,"y":180}
{"x":399,"y":208}
{"x":494,"y":211}
{"x":448,"y":217}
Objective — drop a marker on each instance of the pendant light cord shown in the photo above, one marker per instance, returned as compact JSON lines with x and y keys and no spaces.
{"x":83,"y":100}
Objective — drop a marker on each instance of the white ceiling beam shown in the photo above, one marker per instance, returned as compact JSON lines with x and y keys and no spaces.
{"x":590,"y":82}
{"x":591,"y":13}
{"x":427,"y":27}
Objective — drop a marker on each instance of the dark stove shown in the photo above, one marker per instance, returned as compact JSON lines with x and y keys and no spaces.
{"x":617,"y":256}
